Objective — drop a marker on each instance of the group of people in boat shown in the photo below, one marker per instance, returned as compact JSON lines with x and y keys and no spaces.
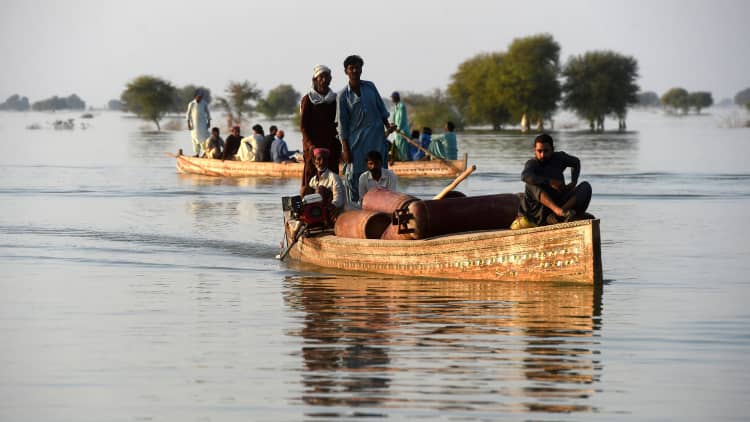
{"x":256,"y":147}
{"x":350,"y":128}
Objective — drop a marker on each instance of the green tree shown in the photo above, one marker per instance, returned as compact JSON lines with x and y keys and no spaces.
{"x":186,"y":94}
{"x":149,"y":97}
{"x":600,"y":83}
{"x":648,"y":99}
{"x":528,"y":79}
{"x":431,"y":110}
{"x":281,"y":100}
{"x":742,"y":97}
{"x":700,"y":100}
{"x":238,"y":100}
{"x":676,"y":99}
{"x":475,"y":91}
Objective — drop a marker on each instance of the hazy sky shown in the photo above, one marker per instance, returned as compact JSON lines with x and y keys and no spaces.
{"x":93,"y":48}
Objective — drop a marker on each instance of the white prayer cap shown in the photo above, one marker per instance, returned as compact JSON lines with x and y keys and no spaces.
{"x":320,"y":68}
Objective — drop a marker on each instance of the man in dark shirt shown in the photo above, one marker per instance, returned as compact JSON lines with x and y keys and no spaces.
{"x":232,"y":144}
{"x":548,"y":199}
{"x":267,"y":141}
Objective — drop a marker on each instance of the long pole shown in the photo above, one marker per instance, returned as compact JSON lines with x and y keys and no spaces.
{"x":455,"y":182}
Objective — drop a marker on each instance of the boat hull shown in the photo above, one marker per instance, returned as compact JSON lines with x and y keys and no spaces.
{"x":229,"y":168}
{"x":569,"y":252}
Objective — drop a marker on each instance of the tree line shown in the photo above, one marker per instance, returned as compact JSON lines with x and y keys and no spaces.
{"x":18,"y":103}
{"x":525,"y":83}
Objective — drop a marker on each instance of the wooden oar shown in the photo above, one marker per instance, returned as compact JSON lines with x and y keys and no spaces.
{"x":423,"y":149}
{"x":455,"y":183}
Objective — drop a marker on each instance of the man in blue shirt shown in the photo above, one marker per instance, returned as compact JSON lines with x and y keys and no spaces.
{"x":362,"y":116}
{"x":279,"y":150}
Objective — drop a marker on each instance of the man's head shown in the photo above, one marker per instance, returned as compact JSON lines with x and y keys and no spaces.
{"x":258,"y":129}
{"x":544,"y":146}
{"x":215,"y":131}
{"x":321,"y":78}
{"x":395,"y":97}
{"x":353,"y":67}
{"x":236,"y":130}
{"x":272,"y":130}
{"x":320,"y":158}
{"x":198,"y":95}
{"x":280,"y":134}
{"x":449,"y":126}
{"x":374,"y":161}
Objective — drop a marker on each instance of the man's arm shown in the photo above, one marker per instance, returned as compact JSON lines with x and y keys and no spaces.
{"x":187,"y":116}
{"x":530,"y":176}
{"x":342,"y":115}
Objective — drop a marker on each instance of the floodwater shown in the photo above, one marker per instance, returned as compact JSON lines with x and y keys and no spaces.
{"x":129,"y":292}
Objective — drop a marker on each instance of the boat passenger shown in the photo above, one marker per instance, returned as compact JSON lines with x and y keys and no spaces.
{"x":376,"y":176}
{"x":326,"y":183}
{"x":267,"y":141}
{"x":547,"y":199}
{"x":400,"y":120}
{"x":213,"y":145}
{"x":424,"y":140}
{"x":362,"y":116}
{"x":262,"y":145}
{"x":318,"y":123}
{"x":232,"y":144}
{"x":198,"y":121}
{"x":445,"y":145}
{"x":279,"y":150}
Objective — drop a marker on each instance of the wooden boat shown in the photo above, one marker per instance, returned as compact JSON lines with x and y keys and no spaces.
{"x":220,"y":168}
{"x":569,"y":252}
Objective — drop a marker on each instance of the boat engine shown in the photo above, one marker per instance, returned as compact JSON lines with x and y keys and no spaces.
{"x":309,"y":210}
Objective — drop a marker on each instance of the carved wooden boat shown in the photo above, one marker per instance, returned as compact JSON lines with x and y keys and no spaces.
{"x":212,"y":167}
{"x":569,"y":252}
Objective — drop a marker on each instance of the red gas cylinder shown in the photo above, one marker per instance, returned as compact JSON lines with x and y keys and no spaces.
{"x":361,"y":224}
{"x":384,"y":200}
{"x":422,"y":219}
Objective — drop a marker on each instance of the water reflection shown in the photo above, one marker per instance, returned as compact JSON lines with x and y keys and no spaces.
{"x":442,"y":345}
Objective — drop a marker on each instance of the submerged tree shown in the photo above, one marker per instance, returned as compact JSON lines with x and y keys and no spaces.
{"x":648,"y":99}
{"x":676,"y":99}
{"x":476,"y":93}
{"x":742,"y":98}
{"x":528,"y":80}
{"x":282,"y":100}
{"x":149,"y":97}
{"x":16,"y":103}
{"x":598,"y":84}
{"x":238,"y":100}
{"x":700,"y":100}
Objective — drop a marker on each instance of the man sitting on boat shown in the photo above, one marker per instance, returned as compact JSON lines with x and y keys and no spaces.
{"x":445,"y":146}
{"x":232,"y":144}
{"x":548,"y":200}
{"x":213,"y":145}
{"x":376,"y":176}
{"x":326,"y":183}
{"x":279,"y":149}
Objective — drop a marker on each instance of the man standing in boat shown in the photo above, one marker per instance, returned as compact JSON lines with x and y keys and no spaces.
{"x":362,"y":116}
{"x":400,"y":148}
{"x":198,"y":121}
{"x":548,"y":200}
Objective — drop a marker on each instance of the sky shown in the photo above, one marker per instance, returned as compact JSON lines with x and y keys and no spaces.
{"x":94,"y":48}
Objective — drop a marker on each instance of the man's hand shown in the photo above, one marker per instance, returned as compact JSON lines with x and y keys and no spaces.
{"x":190,"y":125}
{"x":345,"y":153}
{"x":557,"y":185}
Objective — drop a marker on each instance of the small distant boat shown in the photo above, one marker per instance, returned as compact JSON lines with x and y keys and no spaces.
{"x":221,"y":168}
